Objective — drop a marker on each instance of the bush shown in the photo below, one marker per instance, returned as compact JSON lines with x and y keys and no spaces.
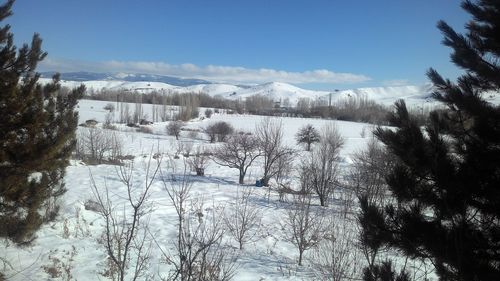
{"x":208,"y":113}
{"x":109,"y":107}
{"x":174,"y":129}
{"x":96,"y":146}
{"x":218,"y":131}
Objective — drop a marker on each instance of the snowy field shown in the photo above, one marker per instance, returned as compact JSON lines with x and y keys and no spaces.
{"x":74,"y":240}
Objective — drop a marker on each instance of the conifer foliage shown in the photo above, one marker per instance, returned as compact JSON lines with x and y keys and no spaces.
{"x":307,"y":135}
{"x":37,"y":135}
{"x":446,"y":181}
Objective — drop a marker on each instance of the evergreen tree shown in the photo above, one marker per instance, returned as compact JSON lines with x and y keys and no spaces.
{"x":446,"y":181}
{"x":307,"y":135}
{"x":37,"y":136}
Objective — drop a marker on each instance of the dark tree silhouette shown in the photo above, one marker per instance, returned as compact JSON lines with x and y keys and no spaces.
{"x":37,"y":136}
{"x":307,"y":135}
{"x":446,"y":180}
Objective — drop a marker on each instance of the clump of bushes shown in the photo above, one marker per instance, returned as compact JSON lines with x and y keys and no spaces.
{"x":218,"y":131}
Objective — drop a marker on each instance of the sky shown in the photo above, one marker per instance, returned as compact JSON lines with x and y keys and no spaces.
{"x":313,"y":44}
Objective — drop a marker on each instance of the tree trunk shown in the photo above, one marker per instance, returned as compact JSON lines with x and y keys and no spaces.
{"x":242,"y":176}
{"x":200,"y":171}
{"x":300,"y":257}
{"x":322,"y":201}
{"x":265,"y":181}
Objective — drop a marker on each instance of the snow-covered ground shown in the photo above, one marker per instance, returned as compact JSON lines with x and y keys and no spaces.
{"x":73,"y":239}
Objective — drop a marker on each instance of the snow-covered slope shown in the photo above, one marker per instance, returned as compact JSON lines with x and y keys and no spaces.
{"x":277,"y":91}
{"x":413,"y":95}
{"x":213,"y":89}
{"x":140,"y":87}
{"x":388,"y":95}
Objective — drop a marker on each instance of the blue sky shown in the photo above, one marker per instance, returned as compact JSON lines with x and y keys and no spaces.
{"x":313,"y":44}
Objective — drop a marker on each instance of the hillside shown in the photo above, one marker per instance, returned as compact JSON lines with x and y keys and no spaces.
{"x":413,"y":95}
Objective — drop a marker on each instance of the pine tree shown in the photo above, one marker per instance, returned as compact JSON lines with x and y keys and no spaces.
{"x":37,"y":136}
{"x":307,"y":135}
{"x":446,"y":181}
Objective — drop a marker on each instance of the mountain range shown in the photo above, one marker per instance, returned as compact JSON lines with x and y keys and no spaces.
{"x":419,"y":96}
{"x":83,"y":76}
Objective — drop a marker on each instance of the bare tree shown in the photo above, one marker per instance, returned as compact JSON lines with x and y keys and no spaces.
{"x":199,"y":161}
{"x":368,"y":173}
{"x":138,"y":112}
{"x":242,"y":219}
{"x":108,"y":120}
{"x":187,"y":148}
{"x":269,"y":134}
{"x":188,"y":107}
{"x":302,"y":227}
{"x":200,"y":254}
{"x":125,"y":116}
{"x":258,"y":104}
{"x":337,"y":257}
{"x":307,"y":135}
{"x":96,"y":145}
{"x":238,"y":152}
{"x":125,"y":232}
{"x":303,"y":105}
{"x":174,"y":128}
{"x":319,"y":172}
{"x":211,"y":133}
{"x":93,"y":143}
{"x":284,"y":169}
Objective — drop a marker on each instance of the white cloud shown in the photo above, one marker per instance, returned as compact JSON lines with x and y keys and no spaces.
{"x":396,"y":83}
{"x":216,"y":73}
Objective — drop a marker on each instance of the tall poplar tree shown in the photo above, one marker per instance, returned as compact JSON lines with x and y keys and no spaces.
{"x":37,"y":136}
{"x":446,"y":181}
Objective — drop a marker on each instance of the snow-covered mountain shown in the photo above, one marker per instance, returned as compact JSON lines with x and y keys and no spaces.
{"x":413,"y":95}
{"x":276,"y":91}
{"x":83,"y":76}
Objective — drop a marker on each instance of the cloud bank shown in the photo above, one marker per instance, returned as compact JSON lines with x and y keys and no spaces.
{"x":396,"y":83}
{"x":215,"y":73}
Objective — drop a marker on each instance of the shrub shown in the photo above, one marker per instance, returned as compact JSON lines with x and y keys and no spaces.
{"x":208,"y":113}
{"x":174,"y":129}
{"x":218,"y":131}
{"x":109,"y":107}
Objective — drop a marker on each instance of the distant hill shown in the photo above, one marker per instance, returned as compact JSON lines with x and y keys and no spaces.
{"x":419,"y":96}
{"x":93,"y":76}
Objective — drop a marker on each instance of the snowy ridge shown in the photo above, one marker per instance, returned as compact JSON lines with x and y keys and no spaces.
{"x":277,"y":91}
{"x":388,"y":95}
